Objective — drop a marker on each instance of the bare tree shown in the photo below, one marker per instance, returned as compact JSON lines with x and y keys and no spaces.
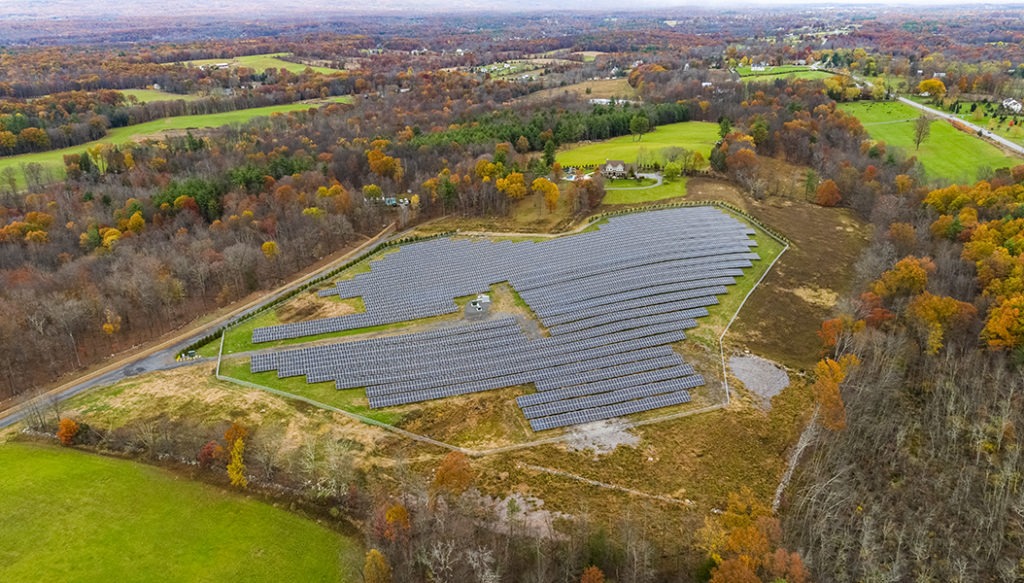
{"x":922,"y":129}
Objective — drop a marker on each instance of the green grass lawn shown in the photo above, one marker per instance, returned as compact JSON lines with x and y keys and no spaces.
{"x":782,"y":71}
{"x":262,"y":63}
{"x":150,"y":95}
{"x":693,"y":135}
{"x":67,"y":515}
{"x":948,"y":153}
{"x":53,"y":160}
{"x":352,"y":400}
{"x":660,"y":192}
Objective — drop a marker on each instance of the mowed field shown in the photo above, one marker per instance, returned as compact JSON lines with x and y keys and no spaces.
{"x":150,"y":95}
{"x":598,"y":89}
{"x":783,"y":71}
{"x":947,"y":153}
{"x":262,"y":63}
{"x":53,"y":160}
{"x":693,"y":135}
{"x":72,"y":516}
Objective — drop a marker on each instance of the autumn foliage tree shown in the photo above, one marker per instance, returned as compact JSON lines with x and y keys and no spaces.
{"x":454,"y":475}
{"x":744,"y":544}
{"x":236,"y":465}
{"x":376,"y":568}
{"x":67,"y":430}
{"x":827,"y":193}
{"x":592,"y":575}
{"x":829,"y":375}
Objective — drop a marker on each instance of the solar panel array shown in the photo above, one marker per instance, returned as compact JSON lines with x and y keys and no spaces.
{"x":612,"y":301}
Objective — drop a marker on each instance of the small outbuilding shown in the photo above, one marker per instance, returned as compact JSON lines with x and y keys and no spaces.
{"x":478,"y":308}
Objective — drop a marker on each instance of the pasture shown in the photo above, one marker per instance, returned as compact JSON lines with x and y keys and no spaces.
{"x":781,"y":72}
{"x":52,"y":161}
{"x":151,"y":95}
{"x":947,"y":154}
{"x":261,"y":63}
{"x":74,"y":516}
{"x":693,"y":135}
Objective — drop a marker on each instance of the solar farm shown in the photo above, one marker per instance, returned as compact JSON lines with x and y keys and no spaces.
{"x":611,"y":301}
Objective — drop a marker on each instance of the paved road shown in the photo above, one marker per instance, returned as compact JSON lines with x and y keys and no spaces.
{"x":162,"y":356}
{"x":653,"y":176}
{"x":1012,"y":146}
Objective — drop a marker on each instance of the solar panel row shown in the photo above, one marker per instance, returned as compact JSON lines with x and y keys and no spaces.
{"x":613,"y":300}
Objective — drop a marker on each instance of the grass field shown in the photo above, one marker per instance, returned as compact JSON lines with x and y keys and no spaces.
{"x":782,"y":71}
{"x":947,"y":154}
{"x":262,"y":63}
{"x":150,"y":95}
{"x":661,"y":192}
{"x":985,"y":116}
{"x":53,"y":160}
{"x":692,"y":135}
{"x":72,"y":516}
{"x":595,"y":89}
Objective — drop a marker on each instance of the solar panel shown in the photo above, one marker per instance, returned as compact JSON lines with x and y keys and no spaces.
{"x":612,"y":299}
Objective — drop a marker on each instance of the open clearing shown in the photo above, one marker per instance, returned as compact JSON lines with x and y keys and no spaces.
{"x":53,"y":161}
{"x":596,"y":89}
{"x":150,"y":95}
{"x":691,"y":463}
{"x":72,"y":516}
{"x":948,"y":153}
{"x":781,"y":72}
{"x":693,"y":135}
{"x":261,"y":63}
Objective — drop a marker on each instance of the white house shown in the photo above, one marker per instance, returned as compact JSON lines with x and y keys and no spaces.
{"x":1013,"y":105}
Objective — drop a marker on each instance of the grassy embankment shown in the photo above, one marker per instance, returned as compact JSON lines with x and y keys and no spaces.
{"x":53,"y":161}
{"x":948,"y":153}
{"x":72,"y":516}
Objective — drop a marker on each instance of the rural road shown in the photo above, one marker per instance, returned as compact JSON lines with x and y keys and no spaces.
{"x":162,"y":355}
{"x":1012,"y":146}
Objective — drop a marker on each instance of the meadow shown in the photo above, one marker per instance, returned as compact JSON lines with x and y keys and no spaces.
{"x":74,"y":516}
{"x":692,"y":135}
{"x":151,"y":95}
{"x":781,"y":72}
{"x":52,"y":161}
{"x":262,"y":63}
{"x":947,"y":153}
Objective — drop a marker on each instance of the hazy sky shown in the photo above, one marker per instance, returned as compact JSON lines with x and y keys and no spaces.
{"x":256,"y":9}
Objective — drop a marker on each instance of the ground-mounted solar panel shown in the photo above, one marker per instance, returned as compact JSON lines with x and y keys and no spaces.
{"x":612,"y":300}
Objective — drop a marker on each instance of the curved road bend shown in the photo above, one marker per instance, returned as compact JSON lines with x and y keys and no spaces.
{"x":161,"y":356}
{"x":1012,"y":146}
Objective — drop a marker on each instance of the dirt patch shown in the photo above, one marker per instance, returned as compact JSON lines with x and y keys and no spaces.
{"x":518,"y":512}
{"x":601,"y":437}
{"x":714,"y":189}
{"x":309,"y":306}
{"x":818,"y":297}
{"x":760,"y":376}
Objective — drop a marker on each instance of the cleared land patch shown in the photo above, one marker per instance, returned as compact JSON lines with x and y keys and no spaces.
{"x":262,"y":63}
{"x":948,"y":153}
{"x":611,"y":309}
{"x":71,"y":516}
{"x":693,"y":135}
{"x":769,"y":74}
{"x":150,"y":95}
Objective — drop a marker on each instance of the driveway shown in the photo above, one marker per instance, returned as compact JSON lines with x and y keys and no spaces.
{"x":1012,"y":146}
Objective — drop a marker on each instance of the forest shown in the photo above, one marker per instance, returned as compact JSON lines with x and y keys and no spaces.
{"x":911,"y":465}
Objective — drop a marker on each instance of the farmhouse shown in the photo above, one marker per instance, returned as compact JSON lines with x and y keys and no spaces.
{"x":1013,"y":105}
{"x":614,"y":169}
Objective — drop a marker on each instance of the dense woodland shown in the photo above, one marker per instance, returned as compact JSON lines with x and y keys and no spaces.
{"x":914,"y":468}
